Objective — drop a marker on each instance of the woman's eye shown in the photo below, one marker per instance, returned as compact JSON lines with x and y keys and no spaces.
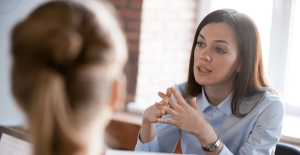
{"x":200,"y":44}
{"x":220,"y":50}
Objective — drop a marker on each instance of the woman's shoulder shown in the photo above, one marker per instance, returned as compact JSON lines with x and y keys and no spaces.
{"x":263,"y":102}
{"x":272,"y":99}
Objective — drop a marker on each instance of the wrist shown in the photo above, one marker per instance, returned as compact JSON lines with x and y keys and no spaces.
{"x":206,"y":135}
{"x":145,"y":121}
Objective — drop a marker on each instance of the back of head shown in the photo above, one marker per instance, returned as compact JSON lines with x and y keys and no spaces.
{"x":65,"y":58}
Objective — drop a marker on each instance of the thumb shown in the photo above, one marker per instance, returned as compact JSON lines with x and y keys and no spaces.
{"x":193,"y":103}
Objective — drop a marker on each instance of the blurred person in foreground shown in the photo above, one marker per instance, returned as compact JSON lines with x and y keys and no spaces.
{"x":67,"y":75}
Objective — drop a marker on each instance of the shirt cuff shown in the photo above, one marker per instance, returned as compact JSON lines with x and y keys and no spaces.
{"x":225,"y":151}
{"x":151,"y":146}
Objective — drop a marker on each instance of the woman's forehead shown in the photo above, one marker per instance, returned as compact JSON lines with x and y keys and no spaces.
{"x":218,"y":31}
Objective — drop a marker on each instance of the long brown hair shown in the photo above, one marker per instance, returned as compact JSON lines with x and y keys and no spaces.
{"x":251,"y":78}
{"x":63,"y":69}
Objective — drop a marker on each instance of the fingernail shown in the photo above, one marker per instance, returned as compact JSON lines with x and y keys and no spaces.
{"x":195,"y":99}
{"x":158,"y":120}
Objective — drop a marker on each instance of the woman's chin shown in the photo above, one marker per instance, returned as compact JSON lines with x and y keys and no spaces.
{"x":202,"y":82}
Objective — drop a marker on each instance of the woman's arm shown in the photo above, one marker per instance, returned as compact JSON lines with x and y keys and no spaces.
{"x":157,"y":137}
{"x":149,"y":119}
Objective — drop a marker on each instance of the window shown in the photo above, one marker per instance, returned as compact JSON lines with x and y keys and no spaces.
{"x":293,"y":76}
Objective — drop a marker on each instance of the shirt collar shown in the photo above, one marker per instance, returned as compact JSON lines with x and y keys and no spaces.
{"x":223,"y":106}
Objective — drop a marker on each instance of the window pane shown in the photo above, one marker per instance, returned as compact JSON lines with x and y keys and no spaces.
{"x":293,"y":76}
{"x":260,"y":11}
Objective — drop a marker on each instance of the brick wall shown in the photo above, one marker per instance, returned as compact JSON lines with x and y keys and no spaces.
{"x":130,"y":18}
{"x":167,"y":30}
{"x":159,"y":35}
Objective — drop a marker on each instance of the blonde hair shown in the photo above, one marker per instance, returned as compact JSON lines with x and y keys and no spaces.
{"x":64,"y":62}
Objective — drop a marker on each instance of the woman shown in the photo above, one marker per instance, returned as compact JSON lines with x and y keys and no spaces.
{"x":67,"y":75}
{"x":231,"y":109}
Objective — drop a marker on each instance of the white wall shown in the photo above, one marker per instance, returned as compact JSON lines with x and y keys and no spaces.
{"x":11,"y":11}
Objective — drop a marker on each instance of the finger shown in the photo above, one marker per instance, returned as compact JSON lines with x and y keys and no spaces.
{"x":164,"y":97}
{"x":165,"y":109}
{"x":178,"y":96}
{"x":169,"y":111}
{"x":186,"y":100}
{"x":168,"y":93}
{"x":159,"y":106}
{"x":165,"y":121}
{"x":160,"y":113}
{"x":193,"y":103}
{"x":174,"y":105}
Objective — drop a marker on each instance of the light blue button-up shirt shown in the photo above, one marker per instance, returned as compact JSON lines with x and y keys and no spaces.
{"x":255,"y":134}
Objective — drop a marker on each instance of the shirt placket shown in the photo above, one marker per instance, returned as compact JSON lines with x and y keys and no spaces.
{"x":216,"y":119}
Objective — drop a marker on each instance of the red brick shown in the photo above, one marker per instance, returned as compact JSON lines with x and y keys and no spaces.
{"x":134,"y":26}
{"x":129,"y":14}
{"x":133,"y":57}
{"x":136,"y":4}
{"x":131,"y":88}
{"x":133,"y":36}
{"x":132,"y":69}
{"x":130,"y":98}
{"x":118,"y":2}
{"x":133,"y":46}
{"x":122,"y":24}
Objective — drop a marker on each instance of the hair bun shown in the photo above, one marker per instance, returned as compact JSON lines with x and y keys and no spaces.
{"x":64,"y":45}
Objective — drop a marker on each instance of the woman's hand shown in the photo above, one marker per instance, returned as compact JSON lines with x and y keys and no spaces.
{"x":188,"y":118}
{"x":155,"y":111}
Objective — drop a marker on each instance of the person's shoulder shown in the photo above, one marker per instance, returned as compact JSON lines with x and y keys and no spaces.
{"x":262,"y":101}
{"x":271,"y":103}
{"x":271,"y":98}
{"x":181,"y":86}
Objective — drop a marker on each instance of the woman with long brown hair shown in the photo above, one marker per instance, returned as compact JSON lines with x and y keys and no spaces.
{"x":67,"y":75}
{"x":226,"y":106}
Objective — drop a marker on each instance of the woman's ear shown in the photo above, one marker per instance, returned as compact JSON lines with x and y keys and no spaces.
{"x":118,"y":93}
{"x":239,"y":68}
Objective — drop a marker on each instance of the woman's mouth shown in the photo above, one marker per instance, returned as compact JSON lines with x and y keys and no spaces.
{"x":201,"y":69}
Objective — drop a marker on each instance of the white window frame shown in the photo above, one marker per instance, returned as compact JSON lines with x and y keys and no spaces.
{"x":281,"y":35}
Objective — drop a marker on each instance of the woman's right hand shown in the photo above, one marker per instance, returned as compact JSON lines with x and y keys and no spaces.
{"x":152,"y":113}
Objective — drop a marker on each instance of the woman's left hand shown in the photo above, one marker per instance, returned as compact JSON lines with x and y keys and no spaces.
{"x":187,"y":117}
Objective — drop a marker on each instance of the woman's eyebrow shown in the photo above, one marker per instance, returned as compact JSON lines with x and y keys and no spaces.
{"x":201,"y":36}
{"x":217,"y":41}
{"x":222,"y":41}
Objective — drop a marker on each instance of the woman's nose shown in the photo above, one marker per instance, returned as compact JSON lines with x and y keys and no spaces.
{"x":205,"y":55}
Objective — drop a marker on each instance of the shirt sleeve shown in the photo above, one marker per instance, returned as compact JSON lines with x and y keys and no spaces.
{"x":266,"y":132}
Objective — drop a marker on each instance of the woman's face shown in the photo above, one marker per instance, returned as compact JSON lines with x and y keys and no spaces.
{"x":216,"y":55}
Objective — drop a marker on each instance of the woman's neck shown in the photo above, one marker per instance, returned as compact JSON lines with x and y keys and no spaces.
{"x":216,"y":94}
{"x":93,"y":134}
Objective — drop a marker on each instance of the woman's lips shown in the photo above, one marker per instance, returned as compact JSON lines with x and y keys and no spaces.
{"x":204,"y":70}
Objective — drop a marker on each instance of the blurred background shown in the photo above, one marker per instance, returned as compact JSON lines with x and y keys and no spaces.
{"x":159,"y":35}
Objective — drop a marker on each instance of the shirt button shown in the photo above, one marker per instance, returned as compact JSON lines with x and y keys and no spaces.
{"x":215,"y":108}
{"x":216,"y":129}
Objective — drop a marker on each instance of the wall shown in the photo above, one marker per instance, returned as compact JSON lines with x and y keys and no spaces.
{"x":11,"y":11}
{"x":167,"y":31}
